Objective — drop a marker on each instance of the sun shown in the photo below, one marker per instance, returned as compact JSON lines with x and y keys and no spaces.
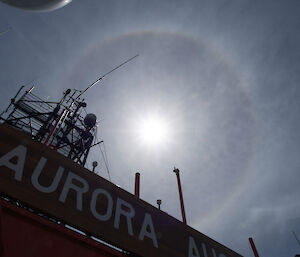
{"x":153,"y":131}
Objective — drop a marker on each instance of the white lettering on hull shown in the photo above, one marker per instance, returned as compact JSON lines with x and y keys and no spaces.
{"x":37,"y":172}
{"x":128,"y":212}
{"x":15,"y":161}
{"x":148,"y":223}
{"x":194,"y":252}
{"x":106,"y":216}
{"x":19,"y":152}
{"x":79,"y":190}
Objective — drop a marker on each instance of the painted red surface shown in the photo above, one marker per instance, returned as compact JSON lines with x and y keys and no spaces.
{"x":253,"y":247}
{"x":25,"y":234}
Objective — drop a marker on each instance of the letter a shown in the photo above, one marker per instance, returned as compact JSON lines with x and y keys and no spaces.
{"x":144,"y":232}
{"x":193,"y":250}
{"x":20,"y":153}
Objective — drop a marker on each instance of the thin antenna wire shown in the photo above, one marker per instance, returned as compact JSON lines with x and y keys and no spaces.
{"x":104,"y":155}
{"x":105,"y":162}
{"x":98,"y":80}
{"x":296,"y":237}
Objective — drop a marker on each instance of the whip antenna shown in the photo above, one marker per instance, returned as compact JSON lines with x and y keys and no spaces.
{"x":98,"y":80}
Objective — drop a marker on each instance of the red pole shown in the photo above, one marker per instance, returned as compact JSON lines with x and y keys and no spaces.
{"x":137,"y":185}
{"x":253,"y":247}
{"x":180,"y":195}
{"x":30,"y":90}
{"x":54,"y":127}
{"x":65,"y":113}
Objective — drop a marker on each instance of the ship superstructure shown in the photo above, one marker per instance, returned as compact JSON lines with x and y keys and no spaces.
{"x":64,"y":126}
{"x":46,"y":191}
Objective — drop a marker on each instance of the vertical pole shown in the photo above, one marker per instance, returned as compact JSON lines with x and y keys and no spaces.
{"x":180,"y":195}
{"x":137,"y":185}
{"x":253,"y":247}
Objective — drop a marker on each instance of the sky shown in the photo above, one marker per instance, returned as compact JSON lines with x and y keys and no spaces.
{"x":222,"y":75}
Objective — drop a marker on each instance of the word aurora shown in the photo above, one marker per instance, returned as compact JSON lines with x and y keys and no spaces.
{"x":114,"y":209}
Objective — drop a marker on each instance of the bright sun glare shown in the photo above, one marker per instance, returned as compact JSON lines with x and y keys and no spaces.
{"x":153,"y":131}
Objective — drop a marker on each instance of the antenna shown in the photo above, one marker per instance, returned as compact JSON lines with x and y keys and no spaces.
{"x":176,"y":171}
{"x":102,"y":77}
{"x":66,"y":111}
